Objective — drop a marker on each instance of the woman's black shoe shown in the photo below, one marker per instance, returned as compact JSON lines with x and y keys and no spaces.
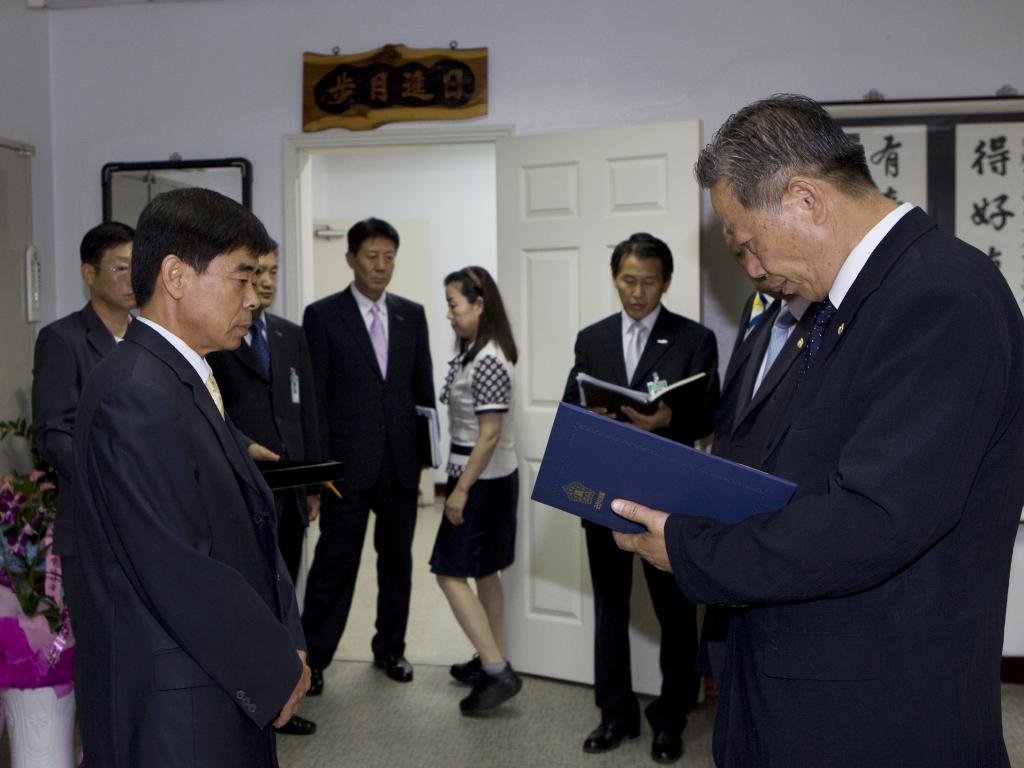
{"x":469,"y":672}
{"x":491,"y":690}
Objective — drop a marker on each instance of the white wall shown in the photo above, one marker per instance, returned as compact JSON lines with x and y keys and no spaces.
{"x":25,"y":117}
{"x":139,"y":82}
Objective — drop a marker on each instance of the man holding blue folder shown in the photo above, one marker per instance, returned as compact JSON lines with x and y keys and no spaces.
{"x":637,"y":348}
{"x":875,"y":600}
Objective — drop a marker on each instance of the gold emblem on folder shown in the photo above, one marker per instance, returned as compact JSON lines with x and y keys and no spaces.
{"x":578,"y":493}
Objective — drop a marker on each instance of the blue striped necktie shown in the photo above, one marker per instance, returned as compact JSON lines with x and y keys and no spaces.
{"x":259,"y":347}
{"x":822,"y":318}
{"x":780,"y":335}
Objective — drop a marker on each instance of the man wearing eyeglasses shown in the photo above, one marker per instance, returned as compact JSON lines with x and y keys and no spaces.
{"x":66,"y":350}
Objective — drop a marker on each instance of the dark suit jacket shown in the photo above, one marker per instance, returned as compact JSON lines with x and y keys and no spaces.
{"x":188,"y":650}
{"x":677,"y":348}
{"x":264,"y":409}
{"x":878,"y":594}
{"x":66,"y":351}
{"x":360,"y":412}
{"x":743,"y":423}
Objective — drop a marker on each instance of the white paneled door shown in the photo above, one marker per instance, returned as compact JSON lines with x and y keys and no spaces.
{"x":564,"y":201}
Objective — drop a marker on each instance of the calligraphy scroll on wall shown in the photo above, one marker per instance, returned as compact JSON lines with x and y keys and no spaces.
{"x":966,"y":154}
{"x":393,"y":84}
{"x":990,"y":195}
{"x":897,"y":156}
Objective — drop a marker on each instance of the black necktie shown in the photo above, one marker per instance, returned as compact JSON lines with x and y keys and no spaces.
{"x":259,"y":347}
{"x":821,"y":320}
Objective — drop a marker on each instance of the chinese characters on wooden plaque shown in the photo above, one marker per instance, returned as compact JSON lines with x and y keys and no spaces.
{"x":393,"y":84}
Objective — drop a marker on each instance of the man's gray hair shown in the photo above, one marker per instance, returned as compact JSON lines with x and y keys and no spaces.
{"x":761,"y":147}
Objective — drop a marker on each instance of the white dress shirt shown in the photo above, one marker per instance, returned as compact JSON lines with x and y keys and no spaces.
{"x":199,"y":363}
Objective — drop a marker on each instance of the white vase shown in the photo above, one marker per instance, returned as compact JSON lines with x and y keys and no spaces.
{"x":40,"y":728}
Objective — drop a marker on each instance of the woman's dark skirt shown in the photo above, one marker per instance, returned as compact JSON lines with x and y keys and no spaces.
{"x":485,"y":542}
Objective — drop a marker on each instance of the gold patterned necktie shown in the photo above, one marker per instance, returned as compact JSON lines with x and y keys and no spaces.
{"x":211,"y":384}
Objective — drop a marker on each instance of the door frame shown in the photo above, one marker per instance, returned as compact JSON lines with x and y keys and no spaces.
{"x":298,"y":188}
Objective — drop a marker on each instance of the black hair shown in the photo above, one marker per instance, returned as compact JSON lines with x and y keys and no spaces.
{"x":102,"y":238}
{"x":643,"y":246}
{"x":475,"y":283}
{"x":196,"y":225}
{"x":363,"y":230}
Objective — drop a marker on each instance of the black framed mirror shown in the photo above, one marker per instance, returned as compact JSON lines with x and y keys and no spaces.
{"x":127,"y":187}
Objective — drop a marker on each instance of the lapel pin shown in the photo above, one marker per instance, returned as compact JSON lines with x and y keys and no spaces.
{"x":800,"y":343}
{"x":662,"y":341}
{"x":841,"y":328}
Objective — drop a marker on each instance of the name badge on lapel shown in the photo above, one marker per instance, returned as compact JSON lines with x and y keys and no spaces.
{"x":294,"y":380}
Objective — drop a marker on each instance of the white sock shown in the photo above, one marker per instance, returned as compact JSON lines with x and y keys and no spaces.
{"x":493,"y":668}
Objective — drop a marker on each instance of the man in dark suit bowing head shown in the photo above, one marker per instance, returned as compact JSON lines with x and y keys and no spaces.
{"x":875,"y":600}
{"x":639,"y":347}
{"x":371,"y":368}
{"x":267,"y":386}
{"x":190,"y":645}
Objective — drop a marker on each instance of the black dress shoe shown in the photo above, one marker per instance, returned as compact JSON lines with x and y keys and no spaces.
{"x":469,"y":672}
{"x":316,"y":682}
{"x":666,"y":747}
{"x":298,"y":726}
{"x":395,"y":667}
{"x":608,"y":736}
{"x":491,"y":690}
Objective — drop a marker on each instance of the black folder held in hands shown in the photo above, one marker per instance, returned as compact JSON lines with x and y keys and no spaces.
{"x":283,"y":474}
{"x":591,"y":460}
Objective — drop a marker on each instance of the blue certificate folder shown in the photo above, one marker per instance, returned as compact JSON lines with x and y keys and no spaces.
{"x":591,"y":460}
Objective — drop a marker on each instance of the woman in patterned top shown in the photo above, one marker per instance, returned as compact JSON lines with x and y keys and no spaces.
{"x":476,"y":538}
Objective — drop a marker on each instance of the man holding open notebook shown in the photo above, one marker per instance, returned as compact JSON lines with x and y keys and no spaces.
{"x":645,"y":348}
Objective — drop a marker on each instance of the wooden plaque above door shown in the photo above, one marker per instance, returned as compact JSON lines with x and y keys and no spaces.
{"x":392,"y":84}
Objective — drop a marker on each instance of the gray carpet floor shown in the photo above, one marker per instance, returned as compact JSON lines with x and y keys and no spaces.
{"x":368,"y":721}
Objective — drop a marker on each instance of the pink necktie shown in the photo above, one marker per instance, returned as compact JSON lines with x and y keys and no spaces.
{"x":380,"y":344}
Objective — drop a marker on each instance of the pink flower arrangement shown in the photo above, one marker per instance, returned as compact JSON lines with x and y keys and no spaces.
{"x":36,"y":646}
